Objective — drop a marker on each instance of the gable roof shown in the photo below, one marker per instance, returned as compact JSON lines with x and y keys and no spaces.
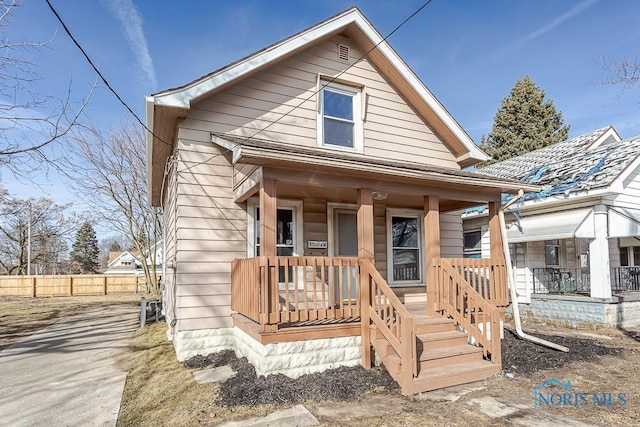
{"x":163,"y":109}
{"x":593,"y":160}
{"x":114,"y":257}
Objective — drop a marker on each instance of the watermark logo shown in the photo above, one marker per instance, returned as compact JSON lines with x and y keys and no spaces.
{"x":555,"y":393}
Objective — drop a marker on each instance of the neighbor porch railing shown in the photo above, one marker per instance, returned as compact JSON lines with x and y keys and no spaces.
{"x":276,"y":290}
{"x":552,"y":280}
{"x":458,"y":299}
{"x":624,"y":279}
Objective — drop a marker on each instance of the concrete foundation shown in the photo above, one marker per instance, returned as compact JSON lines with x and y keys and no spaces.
{"x":583,"y":312}
{"x":291,"y":358}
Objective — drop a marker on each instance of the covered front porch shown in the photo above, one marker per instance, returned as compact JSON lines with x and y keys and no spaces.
{"x":372,"y":260}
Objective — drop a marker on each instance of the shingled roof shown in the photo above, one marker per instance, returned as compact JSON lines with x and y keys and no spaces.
{"x":592,"y":160}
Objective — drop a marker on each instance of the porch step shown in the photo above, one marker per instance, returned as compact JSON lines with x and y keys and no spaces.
{"x":446,"y":356}
{"x":427,"y":324}
{"x":438,"y":340}
{"x":450,"y":375}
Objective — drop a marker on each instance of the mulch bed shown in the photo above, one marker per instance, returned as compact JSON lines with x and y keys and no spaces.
{"x":525,"y":357}
{"x":246,"y":388}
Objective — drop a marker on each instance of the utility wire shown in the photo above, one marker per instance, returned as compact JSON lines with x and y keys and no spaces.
{"x":102,"y":77}
{"x":104,"y":80}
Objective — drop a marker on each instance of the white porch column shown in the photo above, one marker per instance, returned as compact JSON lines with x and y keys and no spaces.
{"x":599,"y":255}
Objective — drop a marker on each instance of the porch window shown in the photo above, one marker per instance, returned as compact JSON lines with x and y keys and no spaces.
{"x":339,"y":118}
{"x":473,"y":244}
{"x":630,"y":256}
{"x":405,"y":260}
{"x":285,"y":232}
{"x":289,"y":235}
{"x":552,"y":253}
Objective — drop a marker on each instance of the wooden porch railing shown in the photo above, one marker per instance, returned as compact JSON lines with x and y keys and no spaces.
{"x":381,"y":307}
{"x":488,"y":276}
{"x":272,"y":290}
{"x":458,"y":299}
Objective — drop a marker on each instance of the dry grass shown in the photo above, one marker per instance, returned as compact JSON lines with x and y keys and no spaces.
{"x":20,"y":317}
{"x":160,"y":391}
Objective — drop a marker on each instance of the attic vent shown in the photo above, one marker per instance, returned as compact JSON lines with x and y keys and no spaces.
{"x":343,"y":52}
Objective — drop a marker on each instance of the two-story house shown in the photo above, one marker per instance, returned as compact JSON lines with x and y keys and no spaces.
{"x":311,"y":195}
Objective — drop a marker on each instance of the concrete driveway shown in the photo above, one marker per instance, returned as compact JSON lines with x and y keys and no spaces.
{"x":71,"y":373}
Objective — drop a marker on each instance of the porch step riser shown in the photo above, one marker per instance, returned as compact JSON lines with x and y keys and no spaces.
{"x":437,"y":343}
{"x":432,"y":382}
{"x":431,"y":328}
{"x":450,"y":360}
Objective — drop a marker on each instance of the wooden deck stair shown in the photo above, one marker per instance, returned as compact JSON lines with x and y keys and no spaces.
{"x":445,"y":358}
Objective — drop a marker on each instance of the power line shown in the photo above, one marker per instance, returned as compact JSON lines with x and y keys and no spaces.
{"x":104,"y":80}
{"x":102,"y":77}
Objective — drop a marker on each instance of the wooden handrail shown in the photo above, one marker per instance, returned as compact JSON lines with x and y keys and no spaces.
{"x":381,"y":307}
{"x":467,"y":307}
{"x":488,"y":276}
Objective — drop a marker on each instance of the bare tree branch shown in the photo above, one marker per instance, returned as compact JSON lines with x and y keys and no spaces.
{"x":30,"y":121}
{"x":109,"y":176}
{"x":624,"y":72}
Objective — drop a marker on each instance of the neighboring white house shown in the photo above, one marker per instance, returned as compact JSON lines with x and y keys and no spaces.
{"x":130,"y":262}
{"x":126,"y":262}
{"x":575,"y":245}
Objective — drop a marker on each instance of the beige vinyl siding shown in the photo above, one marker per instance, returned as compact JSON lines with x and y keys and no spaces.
{"x":392,"y":129}
{"x":211,"y":231}
{"x":451,"y":241}
{"x":380,"y":238}
{"x":315,"y":224}
{"x":169,"y":218}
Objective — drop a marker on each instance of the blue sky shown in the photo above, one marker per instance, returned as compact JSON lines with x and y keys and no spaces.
{"x":468,"y":53}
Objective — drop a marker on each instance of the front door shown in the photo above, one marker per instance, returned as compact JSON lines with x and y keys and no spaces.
{"x":346,"y":241}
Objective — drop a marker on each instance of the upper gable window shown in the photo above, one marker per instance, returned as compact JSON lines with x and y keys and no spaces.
{"x":339,"y":118}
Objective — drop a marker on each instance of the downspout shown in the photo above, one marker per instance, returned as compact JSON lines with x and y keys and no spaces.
{"x":512,"y":284}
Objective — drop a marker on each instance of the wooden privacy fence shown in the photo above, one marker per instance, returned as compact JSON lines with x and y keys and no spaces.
{"x":68,"y":285}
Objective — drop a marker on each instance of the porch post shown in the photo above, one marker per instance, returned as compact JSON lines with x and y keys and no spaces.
{"x":495,"y":236}
{"x":268,"y":228}
{"x":599,"y":255}
{"x":365,"y":250}
{"x":365,"y":224}
{"x":432,"y":243}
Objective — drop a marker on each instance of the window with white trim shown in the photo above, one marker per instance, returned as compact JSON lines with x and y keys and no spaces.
{"x":339,"y":116}
{"x":630,"y":256}
{"x":405,"y":247}
{"x":552,"y":253}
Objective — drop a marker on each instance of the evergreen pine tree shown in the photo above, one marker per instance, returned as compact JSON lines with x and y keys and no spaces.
{"x":85,"y":251}
{"x":524,"y":122}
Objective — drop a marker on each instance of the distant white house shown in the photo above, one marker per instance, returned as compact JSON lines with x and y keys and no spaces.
{"x":130,"y":262}
{"x":127,"y":262}
{"x":575,"y":245}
